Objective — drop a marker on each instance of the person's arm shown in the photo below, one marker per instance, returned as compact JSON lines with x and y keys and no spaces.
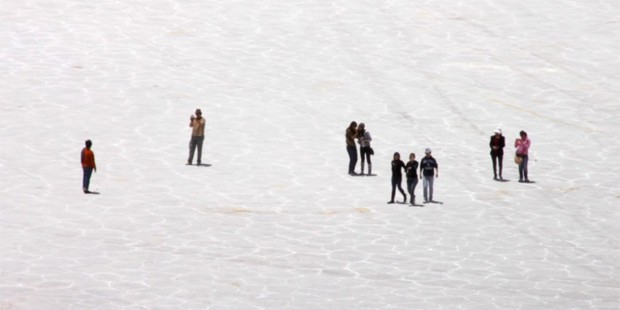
{"x":94,"y":164}
{"x":82,"y":157}
{"x":421,"y":168}
{"x":191,"y":121}
{"x":502,"y":142}
{"x":436,"y":171}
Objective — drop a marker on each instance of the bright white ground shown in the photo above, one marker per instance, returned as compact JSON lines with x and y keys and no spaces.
{"x":275,"y":222}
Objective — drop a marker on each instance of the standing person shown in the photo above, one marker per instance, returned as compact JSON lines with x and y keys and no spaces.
{"x":412,"y":176}
{"x":428,"y":166}
{"x":397,"y":177}
{"x":350,"y":135}
{"x":523,"y":147}
{"x":198,"y":136}
{"x":497,"y":144}
{"x":364,"y":139}
{"x":88,"y":165}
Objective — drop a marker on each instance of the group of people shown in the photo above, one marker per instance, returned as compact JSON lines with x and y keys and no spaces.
{"x":429,"y":170}
{"x":428,"y":166}
{"x":522,"y":145}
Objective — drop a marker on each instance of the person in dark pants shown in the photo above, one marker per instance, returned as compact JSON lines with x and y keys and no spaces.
{"x":497,"y":144}
{"x":198,"y":136}
{"x":523,"y":147}
{"x":88,"y":165}
{"x":364,"y":139}
{"x":428,"y":165}
{"x":350,"y":135}
{"x":412,"y":176}
{"x":397,"y":177}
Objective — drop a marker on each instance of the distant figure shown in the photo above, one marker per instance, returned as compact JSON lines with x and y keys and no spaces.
{"x":397,"y":177}
{"x":198,"y":136}
{"x":350,"y":135}
{"x":497,"y":144}
{"x":366,"y":151}
{"x":412,"y":177}
{"x":88,"y":165}
{"x":523,"y":146}
{"x":428,"y":166}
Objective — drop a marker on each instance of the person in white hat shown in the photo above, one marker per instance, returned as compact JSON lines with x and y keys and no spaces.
{"x":429,"y":170}
{"x":497,"y":144}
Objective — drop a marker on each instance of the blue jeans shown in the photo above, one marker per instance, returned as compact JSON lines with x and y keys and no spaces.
{"x":427,"y":183}
{"x":352,"y":150}
{"x":86,"y":178}
{"x":411,"y":184}
{"x":523,"y":167}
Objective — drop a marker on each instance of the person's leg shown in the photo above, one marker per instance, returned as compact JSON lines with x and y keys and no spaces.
{"x":494,"y":159}
{"x":362,"y":152}
{"x":192,"y":148}
{"x":500,"y":158}
{"x":521,"y":169}
{"x":199,"y":141}
{"x":410,"y":186}
{"x":352,"y":158}
{"x":525,"y":161}
{"x":400,"y":189}
{"x":431,"y":180}
{"x":368,"y":160}
{"x":415,"y":183}
{"x":393,"y":190}
{"x":425,"y":187}
{"x":86,"y":179}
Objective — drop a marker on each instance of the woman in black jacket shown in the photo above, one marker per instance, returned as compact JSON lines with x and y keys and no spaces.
{"x":497,"y":144}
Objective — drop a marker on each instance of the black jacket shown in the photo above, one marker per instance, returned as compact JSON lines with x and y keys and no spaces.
{"x":499,"y":142}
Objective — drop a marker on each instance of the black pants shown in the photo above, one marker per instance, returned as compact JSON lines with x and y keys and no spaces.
{"x":352,"y":150}
{"x":365,"y":154}
{"x":497,"y":158}
{"x":396,"y":180}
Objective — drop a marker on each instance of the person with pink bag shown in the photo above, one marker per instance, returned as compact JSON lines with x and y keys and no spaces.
{"x":523,"y":146}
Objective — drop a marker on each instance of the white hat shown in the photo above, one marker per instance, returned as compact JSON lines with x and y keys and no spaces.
{"x":498,"y":130}
{"x":427,"y":151}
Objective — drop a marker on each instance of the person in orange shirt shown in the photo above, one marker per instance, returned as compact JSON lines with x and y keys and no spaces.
{"x":88,"y":165}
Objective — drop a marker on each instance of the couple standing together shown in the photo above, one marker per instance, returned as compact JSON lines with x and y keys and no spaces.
{"x":522,"y":145}
{"x":363,"y":138}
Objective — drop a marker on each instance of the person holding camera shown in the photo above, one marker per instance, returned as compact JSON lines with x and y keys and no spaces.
{"x":197,"y":123}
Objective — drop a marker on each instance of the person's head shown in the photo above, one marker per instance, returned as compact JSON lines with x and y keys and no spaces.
{"x":412,"y":156}
{"x":88,"y":143}
{"x":498,"y":132}
{"x":353,"y":125}
{"x":427,"y":152}
{"x":523,"y":134}
{"x":361,"y":126}
{"x":198,"y":113}
{"x":396,"y":156}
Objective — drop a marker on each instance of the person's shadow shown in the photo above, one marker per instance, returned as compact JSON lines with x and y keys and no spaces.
{"x":203,"y":165}
{"x":92,"y":193}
